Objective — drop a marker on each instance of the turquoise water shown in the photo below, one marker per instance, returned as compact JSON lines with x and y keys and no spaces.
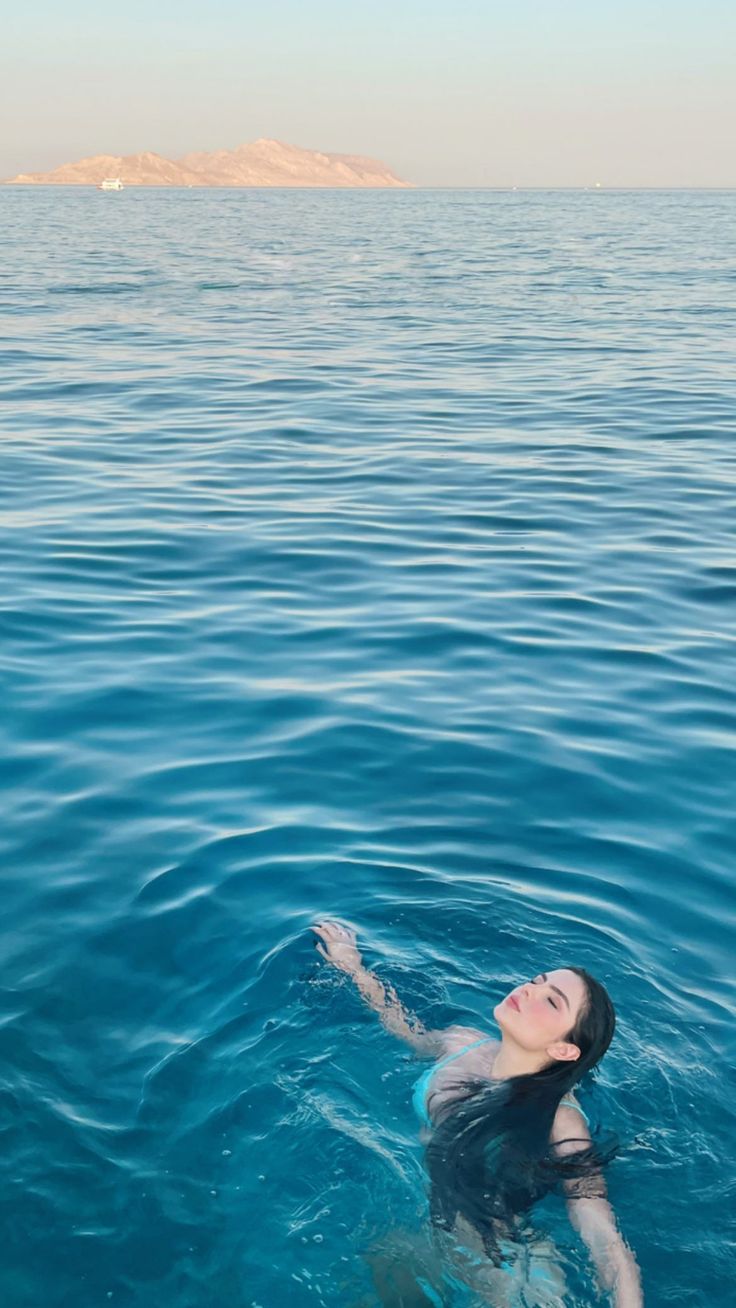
{"x":371,"y":555}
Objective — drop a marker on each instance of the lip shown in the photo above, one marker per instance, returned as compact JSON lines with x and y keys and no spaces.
{"x":513,"y":1002}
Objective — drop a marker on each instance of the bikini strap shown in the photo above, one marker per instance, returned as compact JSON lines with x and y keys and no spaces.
{"x":450,"y":1058}
{"x":567,"y":1101}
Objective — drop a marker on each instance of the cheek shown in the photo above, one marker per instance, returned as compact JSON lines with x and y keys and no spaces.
{"x":545,"y":1018}
{"x":535,"y":1032}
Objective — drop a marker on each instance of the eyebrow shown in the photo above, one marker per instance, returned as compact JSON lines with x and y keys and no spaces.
{"x":556,"y":989}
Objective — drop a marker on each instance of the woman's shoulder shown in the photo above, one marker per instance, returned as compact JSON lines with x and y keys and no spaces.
{"x":570,"y":1123}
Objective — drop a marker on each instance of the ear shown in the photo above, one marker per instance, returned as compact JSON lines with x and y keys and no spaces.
{"x":563,"y":1052}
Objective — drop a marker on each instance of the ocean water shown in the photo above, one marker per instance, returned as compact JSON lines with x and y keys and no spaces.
{"x":371,"y":555}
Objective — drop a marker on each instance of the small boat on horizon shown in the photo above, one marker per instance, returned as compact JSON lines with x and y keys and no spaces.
{"x":111,"y":184}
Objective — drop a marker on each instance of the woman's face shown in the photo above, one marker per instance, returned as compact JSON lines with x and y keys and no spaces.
{"x":542,"y":1012}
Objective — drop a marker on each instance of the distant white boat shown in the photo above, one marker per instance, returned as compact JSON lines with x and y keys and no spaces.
{"x":111,"y":184}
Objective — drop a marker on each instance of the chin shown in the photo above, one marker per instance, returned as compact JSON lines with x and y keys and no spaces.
{"x":499,"y":1014}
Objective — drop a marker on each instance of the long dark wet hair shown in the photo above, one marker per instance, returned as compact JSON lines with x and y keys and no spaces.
{"x":490,"y":1158}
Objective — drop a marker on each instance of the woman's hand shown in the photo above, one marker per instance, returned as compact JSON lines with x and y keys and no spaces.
{"x":336,"y":943}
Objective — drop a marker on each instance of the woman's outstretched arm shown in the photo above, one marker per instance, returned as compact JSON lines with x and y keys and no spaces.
{"x":337,"y":944}
{"x":614,"y":1261}
{"x":593,"y":1217}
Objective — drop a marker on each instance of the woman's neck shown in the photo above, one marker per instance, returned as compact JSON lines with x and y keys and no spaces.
{"x":512,"y":1060}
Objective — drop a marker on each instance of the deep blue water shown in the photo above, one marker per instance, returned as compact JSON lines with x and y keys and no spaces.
{"x":369,"y":554}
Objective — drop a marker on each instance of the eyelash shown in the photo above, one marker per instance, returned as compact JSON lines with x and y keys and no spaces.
{"x":549,"y":999}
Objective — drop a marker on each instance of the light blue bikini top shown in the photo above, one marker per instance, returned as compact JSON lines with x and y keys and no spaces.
{"x":421,"y":1087}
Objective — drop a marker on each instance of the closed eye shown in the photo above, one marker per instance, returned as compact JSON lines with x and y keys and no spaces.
{"x":540,"y":980}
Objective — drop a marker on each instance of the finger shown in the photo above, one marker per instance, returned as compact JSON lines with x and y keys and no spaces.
{"x":346,"y":928}
{"x":325,"y":929}
{"x":323,"y":926}
{"x":321,"y":950}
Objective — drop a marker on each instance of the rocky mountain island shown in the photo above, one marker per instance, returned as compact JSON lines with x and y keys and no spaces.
{"x":260,"y":163}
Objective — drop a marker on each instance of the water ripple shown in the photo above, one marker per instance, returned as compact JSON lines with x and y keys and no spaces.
{"x":370,"y":555}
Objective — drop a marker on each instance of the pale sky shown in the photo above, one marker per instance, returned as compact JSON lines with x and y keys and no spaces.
{"x":451,"y":93}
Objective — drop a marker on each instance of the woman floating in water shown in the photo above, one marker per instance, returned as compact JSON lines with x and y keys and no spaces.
{"x":502,"y":1124}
